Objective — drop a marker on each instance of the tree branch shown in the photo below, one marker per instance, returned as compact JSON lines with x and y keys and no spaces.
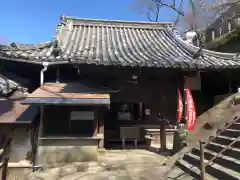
{"x":172,"y":6}
{"x":222,"y":5}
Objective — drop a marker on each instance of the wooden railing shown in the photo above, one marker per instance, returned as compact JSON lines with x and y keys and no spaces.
{"x":203,"y":145}
{"x":4,"y":167}
{"x":221,"y":130}
{"x":4,"y":159}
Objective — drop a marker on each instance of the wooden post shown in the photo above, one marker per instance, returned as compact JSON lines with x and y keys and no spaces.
{"x":40,"y":134}
{"x":162,"y":135}
{"x":202,"y":164}
{"x":101,"y":121}
{"x":95,"y":122}
{"x":5,"y":168}
{"x":101,"y":125}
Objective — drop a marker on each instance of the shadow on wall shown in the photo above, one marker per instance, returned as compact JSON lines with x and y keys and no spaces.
{"x":6,"y":106}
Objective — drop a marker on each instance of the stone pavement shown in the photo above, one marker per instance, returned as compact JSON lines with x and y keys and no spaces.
{"x":111,"y":165}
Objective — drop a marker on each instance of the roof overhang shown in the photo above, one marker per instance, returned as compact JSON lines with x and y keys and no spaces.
{"x":67,"y":94}
{"x":68,"y":101}
{"x":13,"y":112}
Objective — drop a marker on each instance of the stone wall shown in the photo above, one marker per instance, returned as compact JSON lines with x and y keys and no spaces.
{"x":17,"y":173}
{"x":20,"y":147}
{"x":52,"y":152}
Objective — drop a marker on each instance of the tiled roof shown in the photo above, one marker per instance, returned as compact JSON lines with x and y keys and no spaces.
{"x":35,"y":53}
{"x":70,"y":93}
{"x":123,"y":43}
{"x":8,"y":86}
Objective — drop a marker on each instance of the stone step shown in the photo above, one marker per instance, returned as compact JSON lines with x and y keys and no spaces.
{"x":225,"y":140}
{"x":214,"y":170}
{"x":231,"y":152}
{"x":224,"y":161}
{"x":179,"y":174}
{"x":235,"y":125}
{"x":193,"y":171}
{"x":238,"y":121}
{"x":234,"y":133}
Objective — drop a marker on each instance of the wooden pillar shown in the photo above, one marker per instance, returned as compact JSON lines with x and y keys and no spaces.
{"x":40,"y":133}
{"x":101,"y":121}
{"x":58,"y":76}
{"x":162,"y":135}
{"x":95,"y":122}
{"x":102,"y":111}
{"x":161,"y":117}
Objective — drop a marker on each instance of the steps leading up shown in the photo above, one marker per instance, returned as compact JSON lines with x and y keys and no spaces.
{"x":224,"y":140}
{"x":193,"y":171}
{"x":215,"y":170}
{"x":224,"y":134}
{"x":225,"y":166}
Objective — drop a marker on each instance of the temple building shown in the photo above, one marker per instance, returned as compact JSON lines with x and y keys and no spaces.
{"x":103,"y":83}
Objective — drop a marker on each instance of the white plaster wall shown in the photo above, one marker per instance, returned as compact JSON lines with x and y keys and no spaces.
{"x":20,"y":145}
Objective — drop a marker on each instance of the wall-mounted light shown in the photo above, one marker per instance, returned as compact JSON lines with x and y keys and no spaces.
{"x":134,"y":79}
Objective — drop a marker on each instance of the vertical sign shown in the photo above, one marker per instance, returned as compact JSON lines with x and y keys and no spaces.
{"x":190,"y":110}
{"x":180,"y":106}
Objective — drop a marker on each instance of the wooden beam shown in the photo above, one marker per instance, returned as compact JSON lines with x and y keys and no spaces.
{"x":95,"y":122}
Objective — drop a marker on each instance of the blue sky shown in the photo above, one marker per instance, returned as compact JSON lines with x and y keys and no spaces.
{"x":34,"y":21}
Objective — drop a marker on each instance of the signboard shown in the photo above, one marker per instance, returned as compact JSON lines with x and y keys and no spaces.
{"x":82,"y":115}
{"x":180,"y":106}
{"x":124,"y":115}
{"x":190,"y":110}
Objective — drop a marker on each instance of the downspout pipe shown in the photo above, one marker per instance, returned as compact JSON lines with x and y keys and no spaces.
{"x":45,"y":66}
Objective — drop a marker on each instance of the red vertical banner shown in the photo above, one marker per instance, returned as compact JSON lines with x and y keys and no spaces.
{"x":180,"y":106}
{"x":190,"y":110}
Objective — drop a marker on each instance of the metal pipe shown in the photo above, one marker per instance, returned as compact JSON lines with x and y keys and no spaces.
{"x":45,"y":65}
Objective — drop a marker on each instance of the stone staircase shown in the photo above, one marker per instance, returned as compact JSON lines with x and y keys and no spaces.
{"x":226,"y":164}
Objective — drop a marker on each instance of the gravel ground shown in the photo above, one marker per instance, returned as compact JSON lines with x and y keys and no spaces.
{"x":111,"y":165}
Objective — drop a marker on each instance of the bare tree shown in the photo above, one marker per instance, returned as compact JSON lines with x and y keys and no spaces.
{"x":189,"y":13}
{"x":152,"y":8}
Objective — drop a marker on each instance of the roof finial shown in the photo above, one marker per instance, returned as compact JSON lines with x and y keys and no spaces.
{"x":14,"y":45}
{"x":62,"y":17}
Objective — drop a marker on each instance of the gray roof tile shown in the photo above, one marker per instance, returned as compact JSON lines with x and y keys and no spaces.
{"x":124,"y":43}
{"x":8,"y":86}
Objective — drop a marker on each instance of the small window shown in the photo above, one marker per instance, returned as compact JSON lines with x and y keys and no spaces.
{"x":197,"y":42}
{"x":220,"y":31}
{"x":222,"y":20}
{"x":82,"y":115}
{"x":204,"y":37}
{"x":229,"y":26}
{"x":213,"y":34}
